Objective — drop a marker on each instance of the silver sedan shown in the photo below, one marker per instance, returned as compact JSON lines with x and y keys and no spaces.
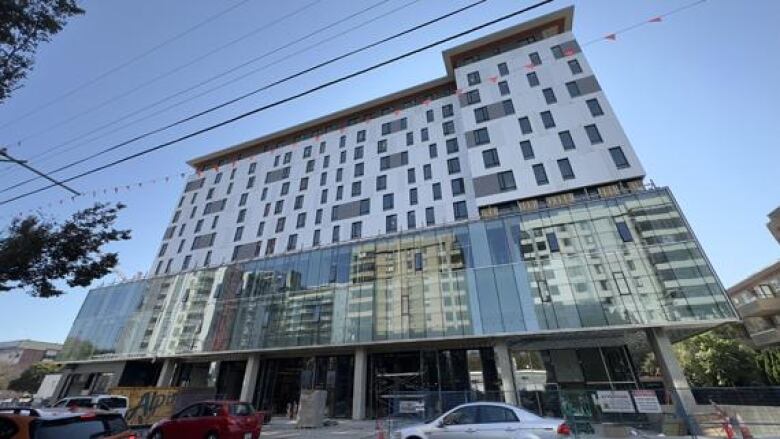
{"x":486,"y":420}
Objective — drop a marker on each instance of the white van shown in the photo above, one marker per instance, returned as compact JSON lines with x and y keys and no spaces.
{"x":114,"y":403}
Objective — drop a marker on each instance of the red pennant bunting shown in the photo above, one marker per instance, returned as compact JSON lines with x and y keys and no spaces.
{"x":529,"y":66}
{"x":493,"y":79}
{"x":612,"y":37}
{"x":569,"y":51}
{"x":655,"y":20}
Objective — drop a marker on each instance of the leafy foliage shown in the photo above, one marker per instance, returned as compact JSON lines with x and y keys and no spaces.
{"x":31,"y":378}
{"x":35,"y":253}
{"x":23,"y":25}
{"x":710,"y":360}
{"x":769,"y":362}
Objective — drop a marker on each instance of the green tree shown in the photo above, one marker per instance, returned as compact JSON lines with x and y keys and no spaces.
{"x":31,"y":378}
{"x":711,"y":360}
{"x":769,"y":363}
{"x":35,"y":253}
{"x":24,"y":24}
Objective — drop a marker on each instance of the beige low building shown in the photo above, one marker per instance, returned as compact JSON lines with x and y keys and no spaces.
{"x":757,"y":300}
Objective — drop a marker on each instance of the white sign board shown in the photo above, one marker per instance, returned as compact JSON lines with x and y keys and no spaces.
{"x":615,"y":401}
{"x":646,"y":401}
{"x":411,"y":406}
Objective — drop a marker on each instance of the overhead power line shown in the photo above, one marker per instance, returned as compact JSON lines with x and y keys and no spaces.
{"x":23,"y":163}
{"x":168,"y":73}
{"x":48,"y":152}
{"x":256,"y":91}
{"x":124,"y":64}
{"x":287,"y":99}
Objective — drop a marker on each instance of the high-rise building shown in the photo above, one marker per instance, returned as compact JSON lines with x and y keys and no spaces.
{"x":486,"y":233}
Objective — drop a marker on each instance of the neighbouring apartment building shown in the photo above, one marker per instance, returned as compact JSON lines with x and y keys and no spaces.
{"x":757,"y":300}
{"x":487,"y":234}
{"x":18,"y":355}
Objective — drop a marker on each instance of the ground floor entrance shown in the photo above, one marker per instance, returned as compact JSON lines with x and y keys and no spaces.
{"x":281,"y":380}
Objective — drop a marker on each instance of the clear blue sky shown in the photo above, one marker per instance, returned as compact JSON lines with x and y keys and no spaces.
{"x":697,"y":95}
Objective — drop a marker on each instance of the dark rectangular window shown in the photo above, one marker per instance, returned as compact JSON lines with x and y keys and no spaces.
{"x":490,"y":158}
{"x":593,"y":134}
{"x":307,"y":152}
{"x":481,"y":136}
{"x":339,"y":174}
{"x":624,"y":232}
{"x":339,"y":192}
{"x":381,"y":146}
{"x":410,"y":176}
{"x":252,"y":167}
{"x":386,"y":128}
{"x":573,"y":88}
{"x":525,"y":125}
{"x":409,"y":138}
{"x":304,"y":184}
{"x":300,"y":222}
{"x":323,"y":179}
{"x":381,"y":182}
{"x":411,"y":220}
{"x":241,"y":216}
{"x":318,"y":216}
{"x":260,"y":228}
{"x":552,"y":243}
{"x":472,"y":97}
{"x":287,"y":157}
{"x":458,"y":187}
{"x":316,"y":239}
{"x":391,"y":223}
{"x":387,"y":201}
{"x":448,"y":128}
{"x":503,"y":70}
{"x":503,"y":88}
{"x":566,"y":141}
{"x":358,"y":154}
{"x":424,"y":135}
{"x":335,"y":236}
{"x":361,"y":136}
{"x":310,"y":166}
{"x":359,"y":169}
{"x":527,"y":150}
{"x":446,"y":110}
{"x":429,"y":116}
{"x":533,"y":79}
{"x":324,"y":196}
{"x":575,"y":67}
{"x":481,"y":114}
{"x":237,"y":235}
{"x":453,"y":166}
{"x":343,"y":157}
{"x":549,"y":96}
{"x":432,"y":152}
{"x":436,"y":191}
{"x":473,"y":78}
{"x":384,"y":162}
{"x":547,"y":119}
{"x":413,"y":196}
{"x":506,"y":181}
{"x":325,"y":161}
{"x":429,"y":216}
{"x":269,"y":246}
{"x":459,"y":210}
{"x":509,"y":108}
{"x":557,"y":51}
{"x":357,"y":230}
{"x":594,"y":107}
{"x":298,"y":202}
{"x":567,"y":173}
{"x":278,"y":206}
{"x":285,"y":189}
{"x":427,"y":172}
{"x":356,"y":188}
{"x":280,"y":225}
{"x":540,"y":174}
{"x":535,"y":58}
{"x":619,"y":157}
{"x":452,"y":145}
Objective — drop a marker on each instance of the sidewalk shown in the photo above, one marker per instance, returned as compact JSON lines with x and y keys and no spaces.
{"x":344,"y":429}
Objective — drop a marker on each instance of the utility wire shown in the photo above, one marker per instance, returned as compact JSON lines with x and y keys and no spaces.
{"x":50,"y":156}
{"x":23,"y":163}
{"x":285,"y":100}
{"x":257,"y":90}
{"x":121,"y":66}
{"x":168,"y":73}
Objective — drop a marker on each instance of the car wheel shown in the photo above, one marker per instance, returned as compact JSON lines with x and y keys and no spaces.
{"x":156,"y":435}
{"x":212,"y":436}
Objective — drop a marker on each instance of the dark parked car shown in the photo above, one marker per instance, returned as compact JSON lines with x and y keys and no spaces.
{"x":211,"y":420}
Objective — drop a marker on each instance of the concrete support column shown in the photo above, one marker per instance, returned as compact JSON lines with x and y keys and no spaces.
{"x":674,"y":378}
{"x":359,"y":385}
{"x":250,"y":378}
{"x":166,"y":373}
{"x":506,"y":372}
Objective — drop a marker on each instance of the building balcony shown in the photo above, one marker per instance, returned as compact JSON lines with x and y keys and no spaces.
{"x":766,"y":338}
{"x":762,"y":307}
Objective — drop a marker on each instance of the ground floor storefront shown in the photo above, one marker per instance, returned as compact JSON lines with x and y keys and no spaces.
{"x":551,"y":374}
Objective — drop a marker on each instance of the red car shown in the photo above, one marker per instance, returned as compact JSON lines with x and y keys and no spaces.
{"x":211,"y":420}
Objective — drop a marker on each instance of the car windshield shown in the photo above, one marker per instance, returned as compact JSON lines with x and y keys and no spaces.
{"x":71,"y":428}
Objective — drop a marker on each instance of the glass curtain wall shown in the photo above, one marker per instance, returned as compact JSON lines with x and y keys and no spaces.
{"x":620,"y":261}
